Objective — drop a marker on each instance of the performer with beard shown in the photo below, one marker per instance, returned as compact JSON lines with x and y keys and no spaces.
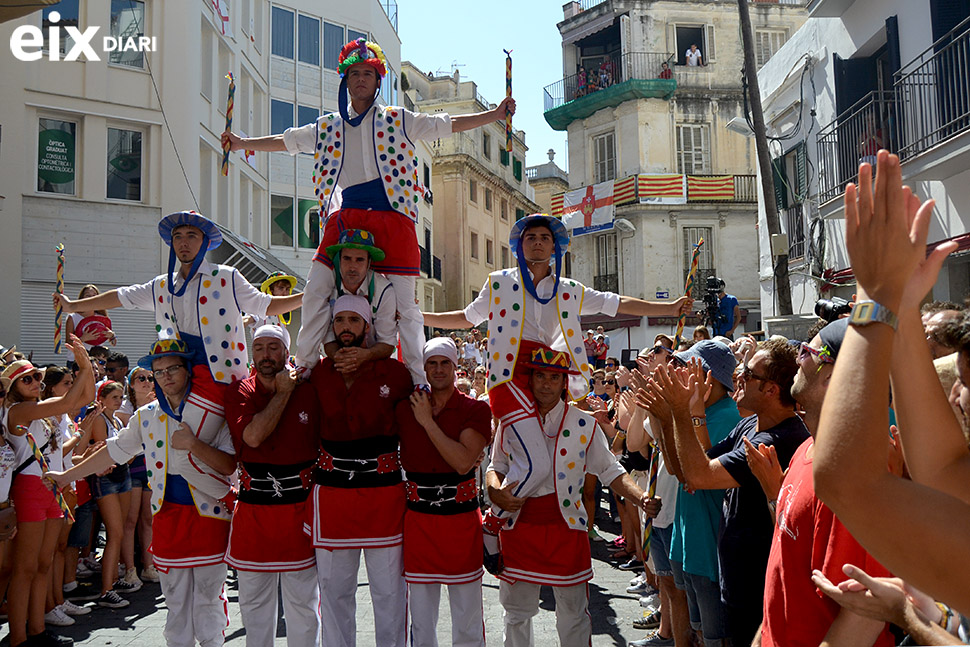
{"x":273,"y":421}
{"x":358,"y":502}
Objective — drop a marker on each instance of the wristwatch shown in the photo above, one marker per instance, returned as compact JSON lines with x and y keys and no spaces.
{"x":698,"y":421}
{"x":868,"y":312}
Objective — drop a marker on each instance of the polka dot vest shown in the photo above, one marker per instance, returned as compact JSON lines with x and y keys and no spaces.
{"x":220,"y":322}
{"x":393,"y":150}
{"x":572,"y":446}
{"x":506,"y":300}
{"x":155,"y":430}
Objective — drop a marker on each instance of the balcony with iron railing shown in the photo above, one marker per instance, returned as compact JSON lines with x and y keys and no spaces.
{"x":635,"y":75}
{"x":671,"y":188}
{"x":390,"y":10}
{"x":925,"y":119}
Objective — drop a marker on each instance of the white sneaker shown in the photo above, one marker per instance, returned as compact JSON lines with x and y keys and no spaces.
{"x":149,"y":574}
{"x":72,"y":609}
{"x":131,"y":577}
{"x":92,"y":564}
{"x":651,"y":601}
{"x":58,"y":618}
{"x":639,"y":579}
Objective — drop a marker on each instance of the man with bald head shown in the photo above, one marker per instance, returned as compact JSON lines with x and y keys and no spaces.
{"x":273,"y":420}
{"x":358,"y":501}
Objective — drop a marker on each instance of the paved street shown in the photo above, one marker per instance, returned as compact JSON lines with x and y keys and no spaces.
{"x":612,"y":609}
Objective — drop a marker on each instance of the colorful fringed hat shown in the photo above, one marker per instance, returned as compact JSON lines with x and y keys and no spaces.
{"x":362,"y":51}
{"x":544,"y":358}
{"x":165,"y":348}
{"x":356,"y":239}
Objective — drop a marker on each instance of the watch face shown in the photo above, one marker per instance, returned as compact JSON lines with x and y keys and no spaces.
{"x":862,"y":312}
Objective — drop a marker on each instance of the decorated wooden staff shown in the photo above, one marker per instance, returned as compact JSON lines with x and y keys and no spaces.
{"x":508,"y":94}
{"x":59,"y":311}
{"x":690,"y":286}
{"x":229,"y":106}
{"x":42,"y":461}
{"x":651,"y":492}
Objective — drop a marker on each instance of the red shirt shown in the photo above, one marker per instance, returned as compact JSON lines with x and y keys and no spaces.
{"x":807,"y":536}
{"x":366,"y":408}
{"x":295,"y":438}
{"x":418,"y":453}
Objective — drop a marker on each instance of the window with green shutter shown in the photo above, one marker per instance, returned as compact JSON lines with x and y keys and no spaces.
{"x":519,"y":214}
{"x":503,"y":157}
{"x":517,"y":168}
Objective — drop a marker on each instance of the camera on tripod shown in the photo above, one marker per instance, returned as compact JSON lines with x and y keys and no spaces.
{"x":832,"y":309}
{"x":712,"y":316}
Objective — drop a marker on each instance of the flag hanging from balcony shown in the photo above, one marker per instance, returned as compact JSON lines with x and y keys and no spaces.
{"x":662,"y":189}
{"x":710,"y":187}
{"x":221,"y":8}
{"x":588,"y":209}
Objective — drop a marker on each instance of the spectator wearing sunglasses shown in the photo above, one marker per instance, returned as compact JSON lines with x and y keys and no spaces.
{"x":116,"y":368}
{"x":99,"y":359}
{"x":744,"y":539}
{"x":139,"y":392}
{"x":599,"y":385}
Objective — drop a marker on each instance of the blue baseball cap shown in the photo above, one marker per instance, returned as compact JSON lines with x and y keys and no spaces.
{"x":714,"y":357}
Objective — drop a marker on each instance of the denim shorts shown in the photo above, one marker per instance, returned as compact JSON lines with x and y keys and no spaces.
{"x":102,"y":486}
{"x":660,"y":550}
{"x":80,"y":533}
{"x":139,"y":480}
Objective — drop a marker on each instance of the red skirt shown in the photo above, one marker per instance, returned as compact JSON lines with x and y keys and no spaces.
{"x":356,"y":517}
{"x":181,"y":538}
{"x":393,"y":233}
{"x":442,"y":548}
{"x":269,"y":538}
{"x":541,"y":548}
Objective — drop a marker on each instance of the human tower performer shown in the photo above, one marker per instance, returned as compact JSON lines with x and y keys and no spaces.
{"x":530,"y":308}
{"x":365,"y":172}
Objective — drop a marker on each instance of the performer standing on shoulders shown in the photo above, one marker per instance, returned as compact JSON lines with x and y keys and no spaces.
{"x":528,"y":308}
{"x":366,"y":155}
{"x":274,"y":422}
{"x":189,"y":480}
{"x":442,"y":438}
{"x":276,"y":284}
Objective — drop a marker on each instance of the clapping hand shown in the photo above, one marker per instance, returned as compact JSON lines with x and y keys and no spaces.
{"x":763,"y":463}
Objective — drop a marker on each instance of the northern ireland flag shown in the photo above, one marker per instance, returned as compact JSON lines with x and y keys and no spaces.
{"x":588,"y":209}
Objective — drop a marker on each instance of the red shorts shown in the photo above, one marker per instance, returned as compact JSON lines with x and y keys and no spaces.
{"x":441,"y":548}
{"x":269,"y":538}
{"x":393,"y":233}
{"x":512,"y":401}
{"x":543,"y":549}
{"x":370,"y":517}
{"x":182,"y":538}
{"x":34,"y":502}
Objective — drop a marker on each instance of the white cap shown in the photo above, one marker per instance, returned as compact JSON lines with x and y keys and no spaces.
{"x":443,"y":346}
{"x":353,"y":303}
{"x":272,"y":331}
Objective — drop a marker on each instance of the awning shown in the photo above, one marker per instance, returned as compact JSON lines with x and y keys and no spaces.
{"x":845,"y":276}
{"x":609,"y":323}
{"x":13,"y":9}
{"x":254,"y":262}
{"x":591,"y":27}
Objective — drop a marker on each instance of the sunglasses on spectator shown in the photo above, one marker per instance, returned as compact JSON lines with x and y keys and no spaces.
{"x":99,"y":361}
{"x":748,"y":374}
{"x":804,"y":350}
{"x":30,"y":379}
{"x":145,"y":378}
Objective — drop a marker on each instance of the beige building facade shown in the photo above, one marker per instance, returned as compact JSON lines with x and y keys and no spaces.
{"x":639,"y":122}
{"x":478,"y":189}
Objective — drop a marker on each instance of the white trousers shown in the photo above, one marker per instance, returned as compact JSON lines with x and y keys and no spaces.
{"x":520,"y":602}
{"x":258,"y":604}
{"x":337,"y":575}
{"x":467,"y":616}
{"x":316,"y":318}
{"x":197,"y":606}
{"x":410,"y":325}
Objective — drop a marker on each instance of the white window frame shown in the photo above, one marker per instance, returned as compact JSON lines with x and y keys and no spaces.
{"x":607,"y":254}
{"x":767,"y":41}
{"x":604,"y":157}
{"x":695,"y":160}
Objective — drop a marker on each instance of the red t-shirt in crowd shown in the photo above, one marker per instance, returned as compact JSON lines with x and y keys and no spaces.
{"x":366,"y":408}
{"x":807,"y":537}
{"x":418,"y":453}
{"x":295,"y":439}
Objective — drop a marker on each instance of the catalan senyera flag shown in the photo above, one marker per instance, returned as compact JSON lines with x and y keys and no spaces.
{"x":555,"y":208}
{"x":625,"y":190}
{"x":666,"y":188}
{"x":710,"y":187}
{"x":588,"y":208}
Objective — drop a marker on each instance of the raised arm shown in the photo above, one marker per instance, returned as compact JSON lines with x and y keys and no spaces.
{"x":81,"y":393}
{"x":467,"y":122}
{"x":448,"y":320}
{"x":886,"y":239}
{"x":639,"y":307}
{"x":104,"y":301}
{"x":269,"y":143}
